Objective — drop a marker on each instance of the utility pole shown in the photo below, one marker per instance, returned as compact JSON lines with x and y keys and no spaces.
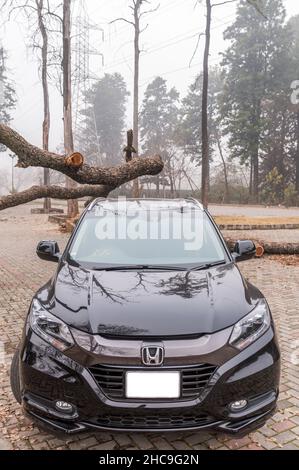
{"x":82,"y":76}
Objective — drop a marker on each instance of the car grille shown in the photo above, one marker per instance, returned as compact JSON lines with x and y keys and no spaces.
{"x":153,"y":421}
{"x":112,"y":380}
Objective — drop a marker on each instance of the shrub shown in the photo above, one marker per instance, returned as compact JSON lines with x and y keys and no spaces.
{"x":291,"y":196}
{"x":272,"y":192}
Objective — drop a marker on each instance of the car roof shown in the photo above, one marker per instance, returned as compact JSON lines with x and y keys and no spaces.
{"x":147,"y":203}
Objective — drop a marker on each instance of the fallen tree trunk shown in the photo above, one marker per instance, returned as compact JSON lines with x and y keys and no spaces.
{"x":270,"y":248}
{"x":104,"y":180}
{"x":30,"y":155}
{"x":54,"y":192}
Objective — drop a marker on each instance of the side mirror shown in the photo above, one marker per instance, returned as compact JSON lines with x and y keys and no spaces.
{"x":244,"y":250}
{"x":48,"y":251}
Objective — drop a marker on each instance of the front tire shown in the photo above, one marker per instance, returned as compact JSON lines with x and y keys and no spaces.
{"x":15,"y":376}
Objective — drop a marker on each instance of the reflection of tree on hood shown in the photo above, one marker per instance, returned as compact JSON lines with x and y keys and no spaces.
{"x":186,"y":285}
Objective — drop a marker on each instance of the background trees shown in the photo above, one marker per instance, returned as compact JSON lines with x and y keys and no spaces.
{"x":252,"y":126}
{"x":159,"y":122}
{"x":252,"y":66}
{"x":7,"y":93}
{"x":104,"y":120}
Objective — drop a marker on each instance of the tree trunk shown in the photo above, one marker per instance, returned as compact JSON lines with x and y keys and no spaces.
{"x":158,"y":186}
{"x":282,"y":168}
{"x":94,"y":181}
{"x":226,"y":191}
{"x":255,"y":154}
{"x":251,"y":178}
{"x":46,"y":121}
{"x":73,"y":207}
{"x":255,"y":176}
{"x":171,"y":183}
{"x":297,"y":156}
{"x":136,"y":89}
{"x":205,"y":132}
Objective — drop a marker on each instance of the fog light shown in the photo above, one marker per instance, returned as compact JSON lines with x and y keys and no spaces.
{"x":64,"y":406}
{"x":238,"y":405}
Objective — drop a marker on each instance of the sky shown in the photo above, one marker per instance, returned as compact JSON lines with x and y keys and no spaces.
{"x":167,"y":44}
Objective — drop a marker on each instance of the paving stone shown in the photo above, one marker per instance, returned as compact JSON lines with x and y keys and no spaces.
{"x":285,"y":437}
{"x":238,"y":443}
{"x":19,"y":235}
{"x":161,"y":443}
{"x":5,"y":445}
{"x":141,"y":441}
{"x":283,"y":426}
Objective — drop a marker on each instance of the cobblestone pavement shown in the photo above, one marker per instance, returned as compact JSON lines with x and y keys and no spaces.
{"x":21,"y":273}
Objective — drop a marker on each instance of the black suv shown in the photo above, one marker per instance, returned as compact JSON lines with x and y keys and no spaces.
{"x":147,"y":324}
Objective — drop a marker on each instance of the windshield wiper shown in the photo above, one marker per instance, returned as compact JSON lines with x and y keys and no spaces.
{"x":136,"y":267}
{"x":208,"y":265}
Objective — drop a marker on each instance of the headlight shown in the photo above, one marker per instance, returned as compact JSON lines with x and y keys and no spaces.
{"x":50,"y":328}
{"x":251,"y":327}
{"x":87,"y":342}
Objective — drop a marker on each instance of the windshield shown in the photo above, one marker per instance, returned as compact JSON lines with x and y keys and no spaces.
{"x":175,"y":237}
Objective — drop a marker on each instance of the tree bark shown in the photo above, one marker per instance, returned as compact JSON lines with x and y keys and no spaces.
{"x":73,"y":208}
{"x":297,"y":156}
{"x":255,"y":176}
{"x":226,"y":193}
{"x":205,"y":134}
{"x":55,"y":192}
{"x":46,"y":121}
{"x":30,"y":155}
{"x":255,"y":154}
{"x":136,"y":89}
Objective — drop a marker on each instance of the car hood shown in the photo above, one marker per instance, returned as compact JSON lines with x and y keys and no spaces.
{"x":154,"y":304}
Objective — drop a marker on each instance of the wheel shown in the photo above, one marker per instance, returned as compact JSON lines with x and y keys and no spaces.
{"x":15,"y":377}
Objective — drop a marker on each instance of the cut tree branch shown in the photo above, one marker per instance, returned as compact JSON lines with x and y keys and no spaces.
{"x":54,"y":192}
{"x":30,"y":155}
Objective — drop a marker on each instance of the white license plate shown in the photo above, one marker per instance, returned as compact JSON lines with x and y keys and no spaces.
{"x":153,"y":384}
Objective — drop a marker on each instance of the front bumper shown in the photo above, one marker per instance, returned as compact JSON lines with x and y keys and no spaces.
{"x":48,"y":375}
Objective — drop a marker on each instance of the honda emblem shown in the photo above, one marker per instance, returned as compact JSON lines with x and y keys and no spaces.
{"x":152,"y":355}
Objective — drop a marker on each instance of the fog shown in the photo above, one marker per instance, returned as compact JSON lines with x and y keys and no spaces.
{"x":167,"y":47}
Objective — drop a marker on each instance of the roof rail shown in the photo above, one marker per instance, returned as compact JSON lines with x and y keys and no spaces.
{"x":195,"y":201}
{"x":94,"y":202}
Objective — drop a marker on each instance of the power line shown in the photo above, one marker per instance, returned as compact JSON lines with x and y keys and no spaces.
{"x":169,"y":72}
{"x":169,"y":43}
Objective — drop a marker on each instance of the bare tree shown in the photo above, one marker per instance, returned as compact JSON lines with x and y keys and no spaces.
{"x":41,"y":20}
{"x":136,"y":7}
{"x":46,"y":121}
{"x":205,"y":88}
{"x":224,"y":165}
{"x":73,"y":207}
{"x":204,"y":119}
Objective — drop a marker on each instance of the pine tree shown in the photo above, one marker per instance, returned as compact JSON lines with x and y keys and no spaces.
{"x":102,"y":137}
{"x":190,"y":116}
{"x":252,"y":73}
{"x":159,"y":121}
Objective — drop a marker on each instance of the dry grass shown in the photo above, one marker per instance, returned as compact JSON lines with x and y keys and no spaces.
{"x":243,"y":220}
{"x":288,"y":260}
